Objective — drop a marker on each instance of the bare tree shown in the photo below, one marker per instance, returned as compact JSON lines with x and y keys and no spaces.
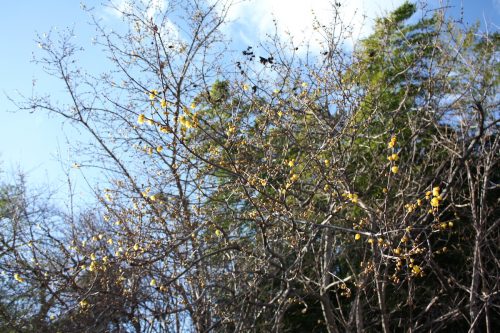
{"x":340,"y":191}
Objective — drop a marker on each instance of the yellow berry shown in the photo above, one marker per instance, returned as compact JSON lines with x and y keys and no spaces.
{"x":435,"y":191}
{"x":140,"y":119}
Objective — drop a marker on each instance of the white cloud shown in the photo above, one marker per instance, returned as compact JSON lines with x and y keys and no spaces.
{"x":117,"y":7}
{"x":251,"y":20}
{"x":155,"y":6}
{"x":254,"y":19}
{"x":152,"y":9}
{"x":123,"y":6}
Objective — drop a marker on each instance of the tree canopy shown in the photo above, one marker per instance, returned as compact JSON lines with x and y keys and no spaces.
{"x":338,"y":191}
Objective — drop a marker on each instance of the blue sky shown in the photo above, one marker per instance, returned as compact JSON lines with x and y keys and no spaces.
{"x":33,"y":142}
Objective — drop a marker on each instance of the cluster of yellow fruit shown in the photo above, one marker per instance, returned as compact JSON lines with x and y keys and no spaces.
{"x":393,"y":157}
{"x":187,"y":120}
{"x":353,"y":197}
{"x":436,"y":196}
